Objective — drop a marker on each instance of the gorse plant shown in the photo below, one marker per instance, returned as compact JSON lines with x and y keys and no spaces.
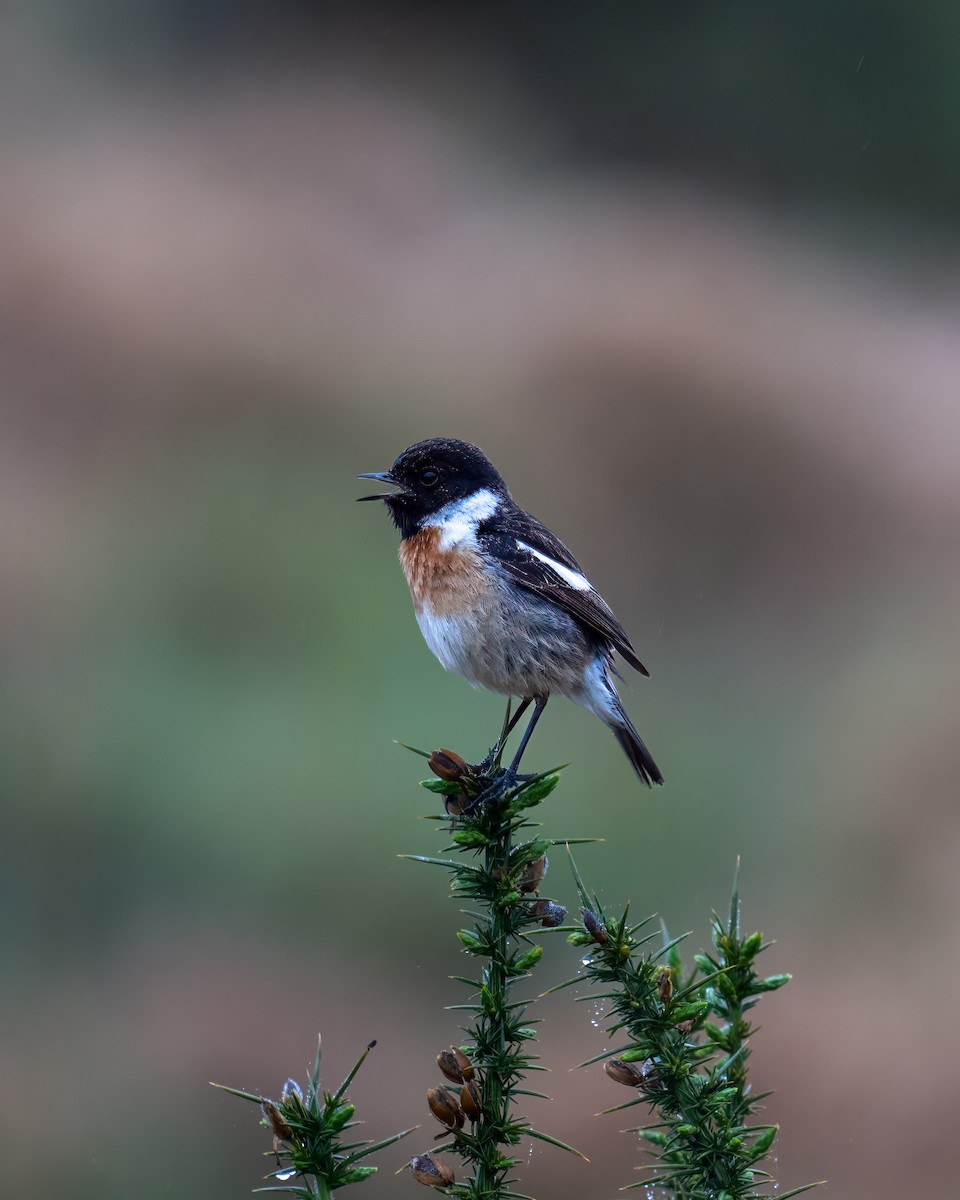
{"x":687,"y":1053}
{"x":310,"y":1129}
{"x":687,"y":1049}
{"x":500,"y":870}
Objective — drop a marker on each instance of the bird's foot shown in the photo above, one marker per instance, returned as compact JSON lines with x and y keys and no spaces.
{"x":504,"y":781}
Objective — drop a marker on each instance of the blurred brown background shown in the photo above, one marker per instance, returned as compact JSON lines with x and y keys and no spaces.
{"x":690,"y":276}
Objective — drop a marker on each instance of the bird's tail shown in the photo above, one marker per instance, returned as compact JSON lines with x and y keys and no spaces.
{"x":634,"y":747}
{"x":599,"y":695}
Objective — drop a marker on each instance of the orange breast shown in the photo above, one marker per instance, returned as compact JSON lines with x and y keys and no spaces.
{"x":448,"y":583}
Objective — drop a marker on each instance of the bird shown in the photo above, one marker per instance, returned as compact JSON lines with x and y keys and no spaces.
{"x":500,"y":599}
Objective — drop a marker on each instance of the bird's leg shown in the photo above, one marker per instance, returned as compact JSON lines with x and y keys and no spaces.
{"x":504,"y":734}
{"x":508,"y":777}
{"x":509,"y":724}
{"x":539,"y":704}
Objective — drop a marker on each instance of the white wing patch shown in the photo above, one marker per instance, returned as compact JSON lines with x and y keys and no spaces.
{"x":458,"y":520}
{"x":570,"y":577}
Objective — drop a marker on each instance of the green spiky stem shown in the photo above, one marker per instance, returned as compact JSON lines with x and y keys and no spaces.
{"x":697,"y":1086}
{"x":499,"y":869}
{"x":490,"y":1169}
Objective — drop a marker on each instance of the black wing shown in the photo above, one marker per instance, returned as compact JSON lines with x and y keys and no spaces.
{"x":502,"y":539}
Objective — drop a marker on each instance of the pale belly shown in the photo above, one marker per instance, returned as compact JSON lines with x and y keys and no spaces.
{"x":495,"y":634}
{"x":511,"y":645}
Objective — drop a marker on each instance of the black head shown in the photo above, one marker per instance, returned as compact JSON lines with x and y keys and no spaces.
{"x":432,"y":474}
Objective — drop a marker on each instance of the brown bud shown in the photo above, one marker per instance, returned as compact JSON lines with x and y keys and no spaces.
{"x":665,"y":986}
{"x":630,"y":1074}
{"x":445,"y":1108}
{"x":634,"y":1074}
{"x":455,"y":1065}
{"x":447,"y":1062}
{"x":458,"y":806}
{"x":432,"y":1171}
{"x":275,"y":1120}
{"x":549,"y":913}
{"x":448,"y":766}
{"x":532,"y":875}
{"x":464,"y":1063}
{"x":594,"y":928}
{"x":470,"y":1100}
{"x":684,"y":1027}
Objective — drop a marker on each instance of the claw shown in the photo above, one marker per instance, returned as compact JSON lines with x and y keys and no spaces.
{"x":495,"y":791}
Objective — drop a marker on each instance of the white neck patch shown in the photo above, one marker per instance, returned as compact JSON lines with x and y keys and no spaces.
{"x":458,"y":520}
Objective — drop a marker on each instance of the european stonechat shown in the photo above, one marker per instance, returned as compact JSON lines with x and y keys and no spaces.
{"x":500,"y":599}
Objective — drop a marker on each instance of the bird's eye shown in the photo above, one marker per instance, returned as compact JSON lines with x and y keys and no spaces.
{"x":428,"y":476}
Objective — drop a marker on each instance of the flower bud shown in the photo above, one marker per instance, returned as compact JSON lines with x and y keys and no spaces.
{"x":447,"y":765}
{"x":665,"y":985}
{"x":634,"y":1074}
{"x":685,"y":1027}
{"x":594,"y":928}
{"x":445,"y":1108}
{"x":532,"y":875}
{"x":455,"y":1065}
{"x":470,"y":1100}
{"x":276,"y":1121}
{"x":466,"y":1066}
{"x":341,"y":1115}
{"x":432,"y":1171}
{"x":459,"y":805}
{"x":447,"y":1062}
{"x":628,"y":1073}
{"x":291,"y":1093}
{"x":549,"y":913}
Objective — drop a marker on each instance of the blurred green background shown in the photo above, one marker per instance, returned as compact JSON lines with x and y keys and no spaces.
{"x":689,"y":274}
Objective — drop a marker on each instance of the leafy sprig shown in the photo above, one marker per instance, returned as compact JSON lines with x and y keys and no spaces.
{"x":499,"y":869}
{"x":686,"y":1057}
{"x":309,"y":1136}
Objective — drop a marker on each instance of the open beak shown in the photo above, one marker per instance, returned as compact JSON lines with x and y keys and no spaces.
{"x":381,"y":477}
